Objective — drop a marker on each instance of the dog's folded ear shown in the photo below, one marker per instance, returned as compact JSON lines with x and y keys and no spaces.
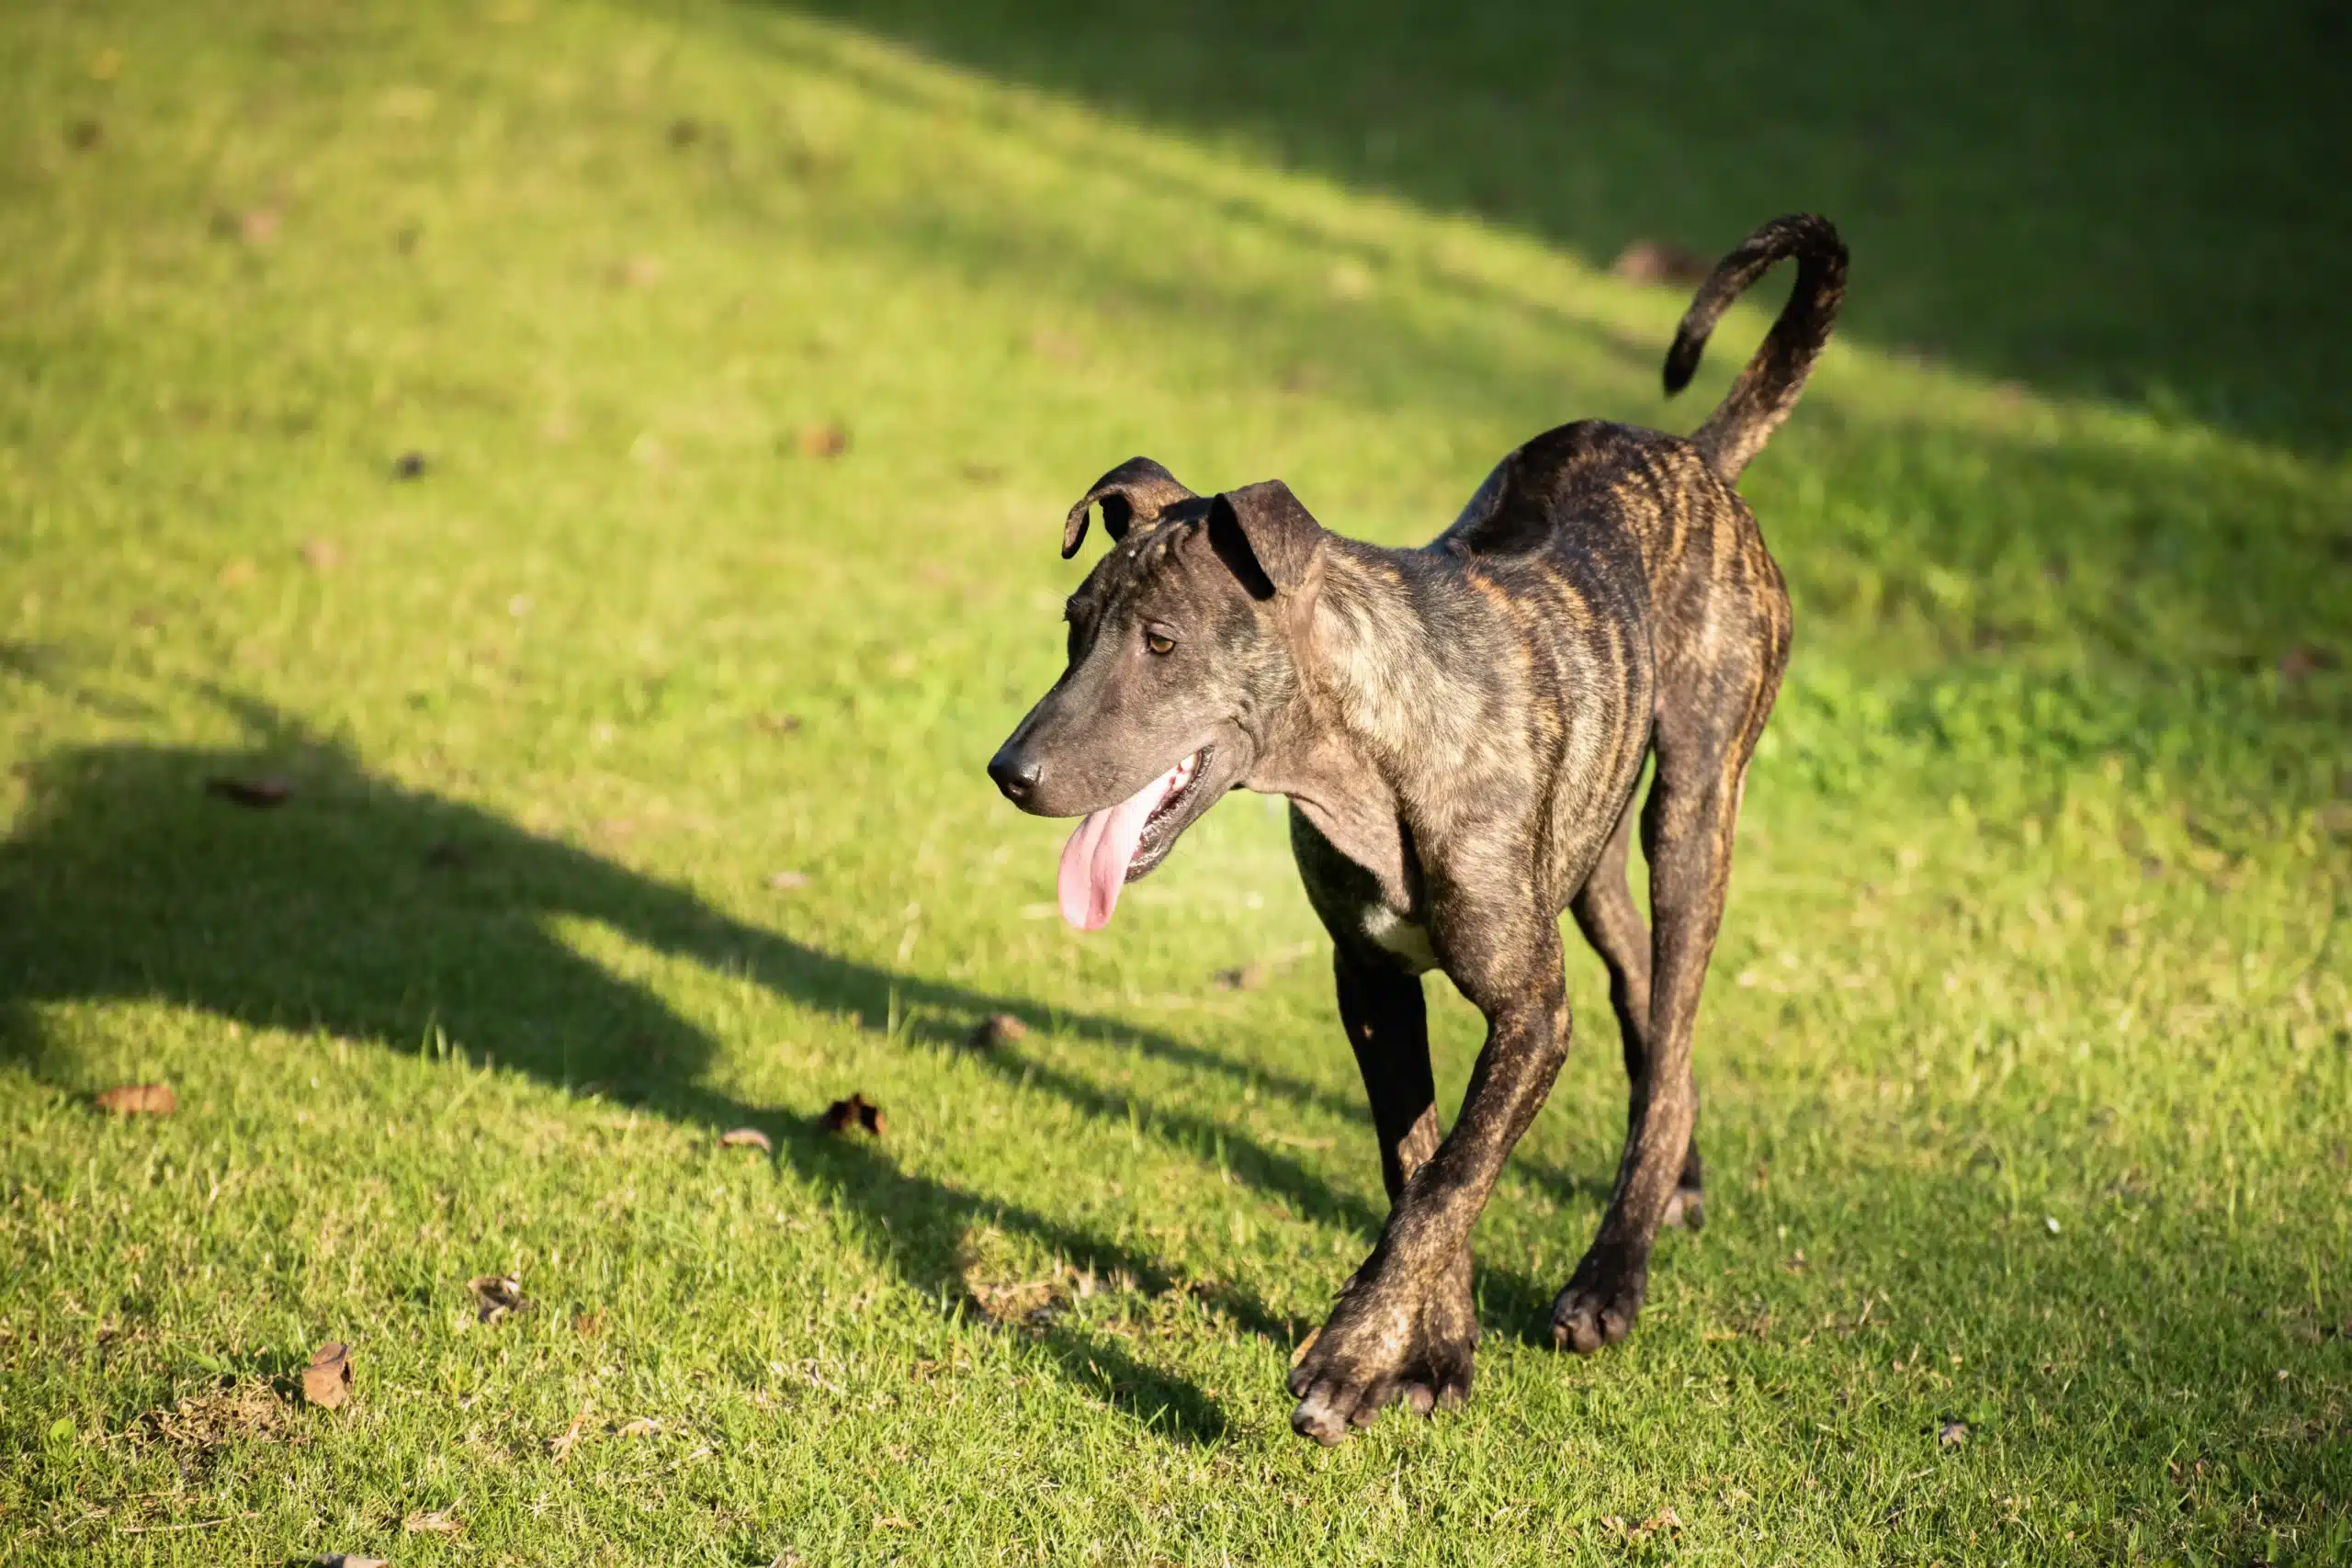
{"x":1269,"y":541}
{"x":1137,"y":491}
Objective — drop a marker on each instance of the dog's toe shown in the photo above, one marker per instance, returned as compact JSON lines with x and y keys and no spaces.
{"x":1597,"y":1308}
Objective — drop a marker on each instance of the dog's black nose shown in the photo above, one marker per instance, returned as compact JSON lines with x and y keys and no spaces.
{"x":1014,"y":773}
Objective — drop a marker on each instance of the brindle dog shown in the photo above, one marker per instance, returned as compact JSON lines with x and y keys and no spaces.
{"x":1459,"y":728}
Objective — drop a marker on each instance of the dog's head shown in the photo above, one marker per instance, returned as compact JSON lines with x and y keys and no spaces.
{"x":1180,"y":651}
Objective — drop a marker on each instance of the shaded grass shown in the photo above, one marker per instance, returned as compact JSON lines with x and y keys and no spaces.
{"x":2036,"y":917}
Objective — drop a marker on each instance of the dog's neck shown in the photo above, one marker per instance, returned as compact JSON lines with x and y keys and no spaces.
{"x":1381,"y":706}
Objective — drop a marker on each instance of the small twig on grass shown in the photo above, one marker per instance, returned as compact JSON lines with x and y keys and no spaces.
{"x":191,"y":1525}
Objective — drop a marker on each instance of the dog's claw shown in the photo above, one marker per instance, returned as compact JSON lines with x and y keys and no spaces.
{"x":1600,"y":1305}
{"x":1421,"y":1359}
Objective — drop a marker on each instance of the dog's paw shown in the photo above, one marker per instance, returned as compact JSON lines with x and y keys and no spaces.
{"x":1382,"y":1348}
{"x":1687,"y":1210}
{"x":1600,"y":1302}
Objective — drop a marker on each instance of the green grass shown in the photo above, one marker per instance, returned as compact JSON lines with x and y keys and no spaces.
{"x":2029,"y":1053}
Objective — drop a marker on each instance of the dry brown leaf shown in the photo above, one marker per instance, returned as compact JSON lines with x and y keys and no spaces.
{"x":440,"y":1521}
{"x":1951,"y":1434}
{"x":559,"y":1447}
{"x":326,"y":1381}
{"x":997,"y":1029}
{"x":140,"y":1099}
{"x":826,"y":440}
{"x":1662,"y":261}
{"x":2304,"y":660}
{"x":496,"y":1295}
{"x":588,"y":1325}
{"x":260,"y":794}
{"x":643,"y":1426}
{"x":1665,"y":1519}
{"x":746,"y":1138}
{"x":844,"y":1115}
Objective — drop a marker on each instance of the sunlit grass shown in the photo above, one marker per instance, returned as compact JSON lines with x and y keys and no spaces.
{"x":2025,"y":1058}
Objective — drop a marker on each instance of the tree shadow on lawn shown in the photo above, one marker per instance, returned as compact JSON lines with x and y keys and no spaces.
{"x":2126,"y":202}
{"x":377,"y":913}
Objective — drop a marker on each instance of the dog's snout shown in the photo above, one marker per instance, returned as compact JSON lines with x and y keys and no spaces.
{"x":1014,"y":773}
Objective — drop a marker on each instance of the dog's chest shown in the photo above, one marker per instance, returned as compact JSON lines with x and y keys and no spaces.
{"x":1408,"y":941}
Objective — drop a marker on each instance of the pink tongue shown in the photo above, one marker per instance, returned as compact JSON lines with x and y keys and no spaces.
{"x":1095,"y":861}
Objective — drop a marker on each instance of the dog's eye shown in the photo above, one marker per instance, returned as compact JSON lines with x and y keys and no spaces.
{"x":1158,"y":642}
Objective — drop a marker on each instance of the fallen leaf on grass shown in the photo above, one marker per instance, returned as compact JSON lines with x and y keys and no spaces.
{"x":746,"y":1138}
{"x":561,"y":1446}
{"x":440,"y":1521}
{"x":643,"y":1426}
{"x":997,"y":1029}
{"x":2304,"y":660}
{"x":588,"y":1325}
{"x":1662,"y":261}
{"x":1951,"y":1434}
{"x":259,"y":794}
{"x":786,"y":881}
{"x":140,"y":1099}
{"x":326,"y":1381}
{"x":826,"y":440}
{"x":348,"y":1559}
{"x":1664,"y":1519}
{"x":496,"y":1295}
{"x":855,"y":1111}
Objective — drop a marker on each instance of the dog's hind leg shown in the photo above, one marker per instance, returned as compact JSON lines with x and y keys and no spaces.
{"x":1687,"y":831}
{"x":1612,"y":923}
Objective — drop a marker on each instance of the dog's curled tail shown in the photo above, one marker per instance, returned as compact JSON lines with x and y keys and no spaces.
{"x":1769,"y":388}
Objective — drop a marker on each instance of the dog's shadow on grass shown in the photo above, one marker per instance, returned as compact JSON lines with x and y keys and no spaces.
{"x":376,"y":912}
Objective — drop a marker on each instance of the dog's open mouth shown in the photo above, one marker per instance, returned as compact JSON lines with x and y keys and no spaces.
{"x":1115,"y":846}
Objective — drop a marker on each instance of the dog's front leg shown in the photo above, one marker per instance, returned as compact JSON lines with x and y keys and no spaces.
{"x":1382,"y":1006}
{"x":1397,"y":1332}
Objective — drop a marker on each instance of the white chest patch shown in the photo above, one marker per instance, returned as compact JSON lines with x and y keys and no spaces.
{"x":1400,"y":936}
